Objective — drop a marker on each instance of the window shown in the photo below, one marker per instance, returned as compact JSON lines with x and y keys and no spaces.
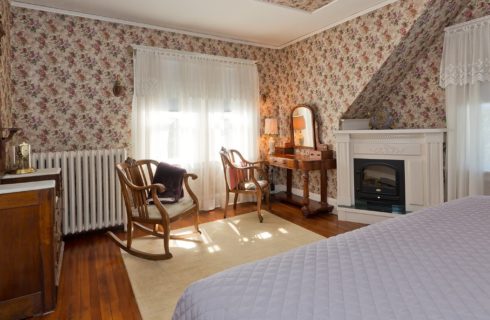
{"x":187,"y":106}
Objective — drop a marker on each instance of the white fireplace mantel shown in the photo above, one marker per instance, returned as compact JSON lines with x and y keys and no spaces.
{"x":422,"y":153}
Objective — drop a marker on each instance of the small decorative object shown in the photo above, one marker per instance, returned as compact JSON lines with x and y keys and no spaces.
{"x":382,"y":119}
{"x":118,"y":88}
{"x":6,"y":135}
{"x":22,"y":158}
{"x":263,"y":97}
{"x":271,"y":130}
{"x":354,"y":124}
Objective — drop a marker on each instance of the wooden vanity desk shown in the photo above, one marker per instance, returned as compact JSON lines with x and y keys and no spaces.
{"x":305,"y":154}
{"x":321,"y":161}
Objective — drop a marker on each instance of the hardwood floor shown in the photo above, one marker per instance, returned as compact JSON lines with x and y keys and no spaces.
{"x":94,"y":283}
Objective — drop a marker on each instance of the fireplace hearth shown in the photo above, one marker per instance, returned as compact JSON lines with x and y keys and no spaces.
{"x":379,"y":185}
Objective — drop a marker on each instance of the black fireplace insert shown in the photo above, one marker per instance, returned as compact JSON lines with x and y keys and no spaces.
{"x":380,"y":185}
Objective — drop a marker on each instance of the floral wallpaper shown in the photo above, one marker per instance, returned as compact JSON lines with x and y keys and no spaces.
{"x":5,"y":83}
{"x":306,"y":5}
{"x":64,"y":68}
{"x":417,"y":100}
{"x":429,"y":26}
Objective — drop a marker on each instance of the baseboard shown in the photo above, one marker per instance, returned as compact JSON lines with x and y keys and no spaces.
{"x":313,"y":196}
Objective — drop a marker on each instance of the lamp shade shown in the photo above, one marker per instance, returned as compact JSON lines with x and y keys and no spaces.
{"x":299,"y":123}
{"x":271,"y":126}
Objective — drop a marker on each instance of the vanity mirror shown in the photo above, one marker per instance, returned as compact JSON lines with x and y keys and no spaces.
{"x":305,"y":154}
{"x":303,"y":127}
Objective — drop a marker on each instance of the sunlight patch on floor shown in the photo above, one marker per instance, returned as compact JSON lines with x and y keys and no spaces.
{"x":206,"y":239}
{"x":263,"y":235}
{"x":282,"y":230}
{"x":183,"y":244}
{"x":213,"y":249}
{"x":234,"y":228}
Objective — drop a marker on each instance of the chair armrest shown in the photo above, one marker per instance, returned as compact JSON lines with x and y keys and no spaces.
{"x":156,"y":186}
{"x":188,"y":188}
{"x":260,"y":170}
{"x":261,"y":162}
{"x":190,"y":175}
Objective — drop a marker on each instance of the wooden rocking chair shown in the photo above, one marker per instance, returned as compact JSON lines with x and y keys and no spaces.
{"x":144,"y":207}
{"x":245,"y":177}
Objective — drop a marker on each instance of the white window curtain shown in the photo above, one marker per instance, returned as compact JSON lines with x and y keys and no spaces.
{"x":465,"y":74}
{"x":186,"y":106}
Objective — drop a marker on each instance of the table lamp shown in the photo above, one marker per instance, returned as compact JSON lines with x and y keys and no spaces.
{"x":271,"y":130}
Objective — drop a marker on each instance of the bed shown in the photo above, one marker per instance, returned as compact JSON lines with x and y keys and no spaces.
{"x":432,"y":264}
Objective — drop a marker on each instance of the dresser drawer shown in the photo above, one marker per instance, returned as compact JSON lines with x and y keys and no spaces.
{"x":283,"y":162}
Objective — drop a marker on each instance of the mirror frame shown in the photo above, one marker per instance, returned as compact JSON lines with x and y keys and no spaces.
{"x":315,"y":142}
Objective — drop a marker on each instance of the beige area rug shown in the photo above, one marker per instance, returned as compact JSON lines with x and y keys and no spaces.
{"x":158,"y":285}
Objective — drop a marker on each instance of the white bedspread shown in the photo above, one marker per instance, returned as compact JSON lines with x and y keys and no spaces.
{"x":433,"y":264}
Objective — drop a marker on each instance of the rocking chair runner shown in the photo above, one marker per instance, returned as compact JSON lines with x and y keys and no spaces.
{"x":245,"y":177}
{"x":135,"y":178}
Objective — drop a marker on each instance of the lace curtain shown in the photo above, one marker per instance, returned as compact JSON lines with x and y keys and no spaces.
{"x":466,"y":56}
{"x":187,"y":105}
{"x":465,"y":75}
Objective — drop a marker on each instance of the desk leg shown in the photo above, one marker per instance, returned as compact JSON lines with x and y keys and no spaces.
{"x":323,"y":185}
{"x":289,"y":182}
{"x":306,"y":194}
{"x":324,"y":190}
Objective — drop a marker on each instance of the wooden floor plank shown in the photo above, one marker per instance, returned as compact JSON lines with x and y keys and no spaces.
{"x":85,"y":291}
{"x":95,"y":309}
{"x":94,"y":281}
{"x":102,"y":267}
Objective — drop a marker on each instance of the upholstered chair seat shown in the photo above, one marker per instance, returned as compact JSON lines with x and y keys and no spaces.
{"x":250,"y":185}
{"x":173,"y":209}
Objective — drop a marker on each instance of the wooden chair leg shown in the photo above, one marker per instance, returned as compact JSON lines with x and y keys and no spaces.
{"x":166,"y":239}
{"x":136,"y":252}
{"x":129,"y":235}
{"x":268,"y":195}
{"x":196,"y":220}
{"x":226,"y":202}
{"x":259,"y":206}
{"x":235,"y":201}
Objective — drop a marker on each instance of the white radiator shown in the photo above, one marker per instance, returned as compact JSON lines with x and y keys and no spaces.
{"x":92,"y":194}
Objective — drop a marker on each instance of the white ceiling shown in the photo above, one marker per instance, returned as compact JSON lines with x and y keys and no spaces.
{"x":248,"y":21}
{"x":307,"y":5}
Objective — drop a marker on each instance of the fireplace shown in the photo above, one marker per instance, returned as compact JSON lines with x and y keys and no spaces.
{"x":379,"y":185}
{"x":420,"y":151}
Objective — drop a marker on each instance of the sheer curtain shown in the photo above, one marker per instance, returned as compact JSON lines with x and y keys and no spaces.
{"x":186,"y":106}
{"x":465,"y":74}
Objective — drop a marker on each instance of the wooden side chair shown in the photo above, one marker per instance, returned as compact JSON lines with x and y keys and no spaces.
{"x":144,"y":207}
{"x":245,"y":177}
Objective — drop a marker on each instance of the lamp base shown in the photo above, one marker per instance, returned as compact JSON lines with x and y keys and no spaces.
{"x":272,"y":145}
{"x":24,"y":171}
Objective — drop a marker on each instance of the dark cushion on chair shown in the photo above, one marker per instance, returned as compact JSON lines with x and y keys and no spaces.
{"x":172,"y":178}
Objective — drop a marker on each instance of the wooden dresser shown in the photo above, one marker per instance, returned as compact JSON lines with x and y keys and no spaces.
{"x":42,"y":175}
{"x":313,"y":160}
{"x":30,"y":232}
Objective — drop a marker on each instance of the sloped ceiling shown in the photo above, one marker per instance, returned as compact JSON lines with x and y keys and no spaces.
{"x":428,"y":27}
